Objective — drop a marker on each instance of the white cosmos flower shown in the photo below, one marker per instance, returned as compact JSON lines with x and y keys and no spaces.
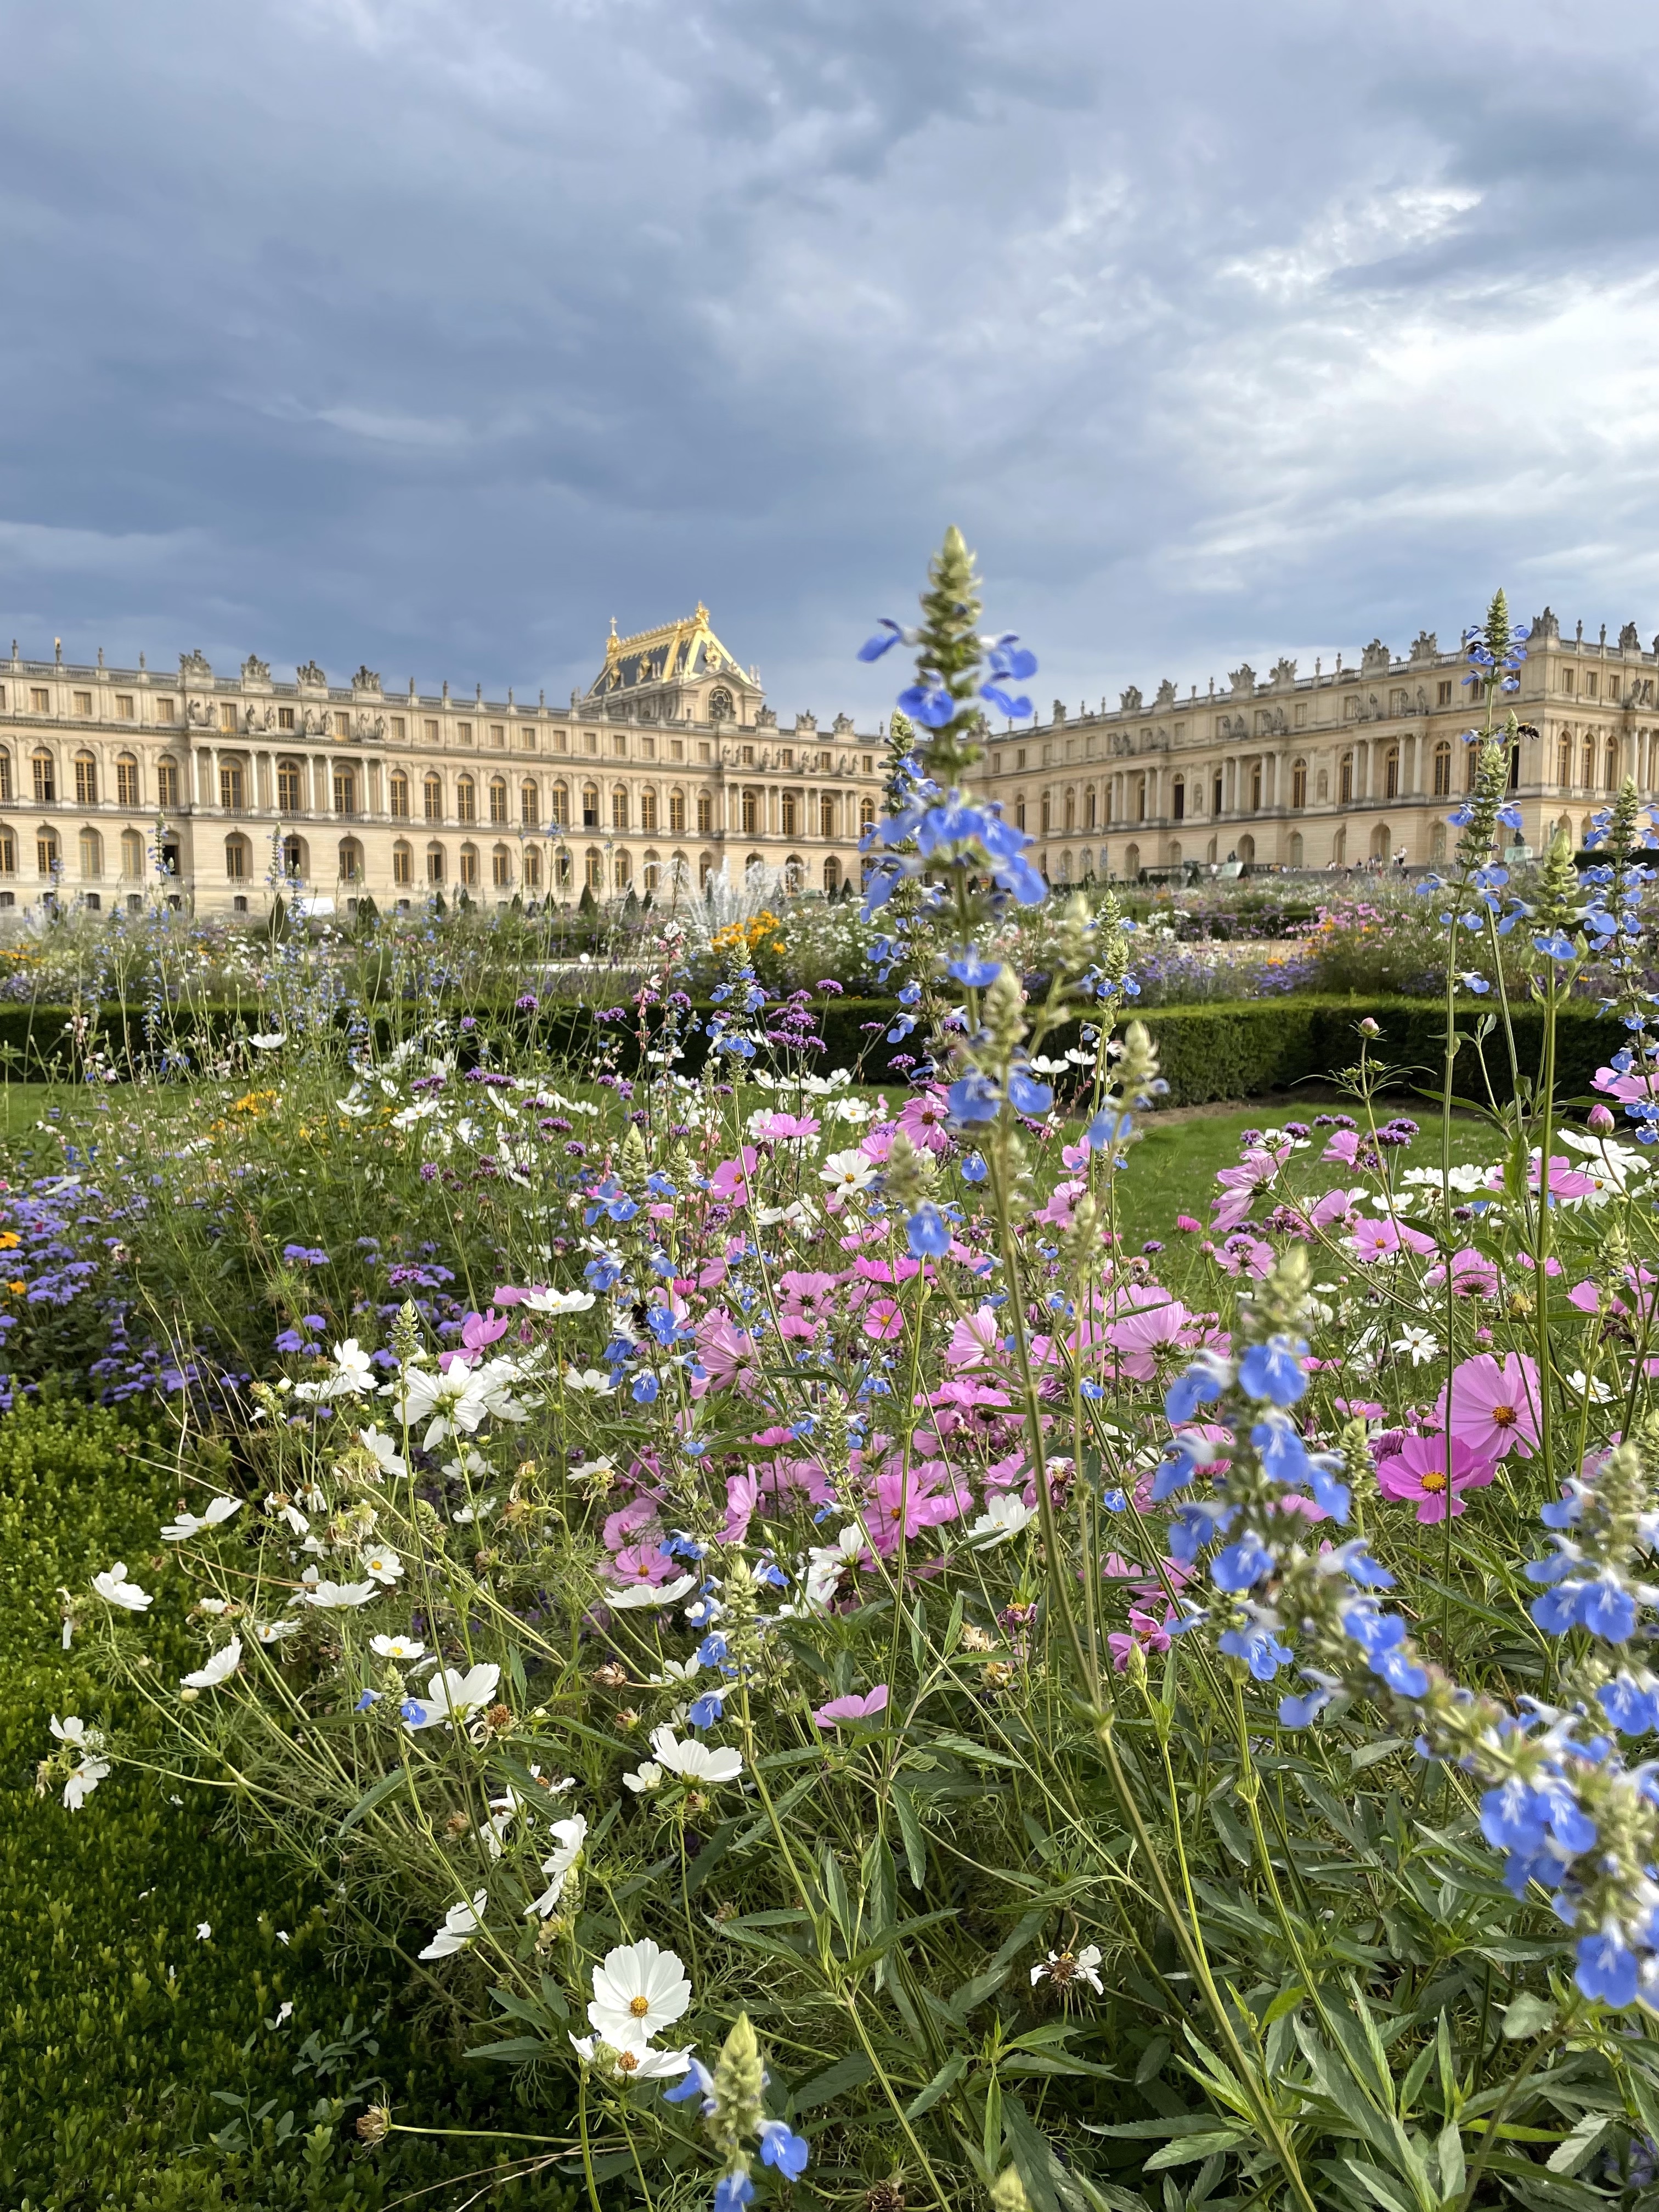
{"x":192,"y":1524}
{"x":1064,"y":1967}
{"x":827,"y":1563}
{"x":270,"y":1042}
{"x":330,"y":1597}
{"x":648,"y":1776}
{"x":1418,"y":1344}
{"x":460,"y":1924}
{"x":637,"y":1595}
{"x":848,"y":1173}
{"x":114,"y":1589}
{"x":91,"y":1769}
{"x":1004,"y":1516}
{"x":638,"y":1992}
{"x":694,"y":1760}
{"x":353,"y":1374}
{"x":385,"y":1450}
{"x":634,"y":2062}
{"x":450,"y":1696}
{"x":397,"y":1647}
{"x":569,"y":1836}
{"x":381,"y":1564}
{"x":588,"y":1378}
{"x":273,"y":1631}
{"x":558,"y":1301}
{"x":1593,"y":1388}
{"x":220,"y":1669}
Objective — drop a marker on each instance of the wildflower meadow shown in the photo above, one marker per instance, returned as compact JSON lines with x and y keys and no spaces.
{"x":786,"y":1654}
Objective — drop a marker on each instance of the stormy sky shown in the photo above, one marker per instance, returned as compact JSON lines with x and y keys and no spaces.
{"x":436,"y":332}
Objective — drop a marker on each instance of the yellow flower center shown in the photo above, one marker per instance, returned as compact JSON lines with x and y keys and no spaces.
{"x":639,"y":2007}
{"x":1503,"y":1415}
{"x":1434,"y":1479}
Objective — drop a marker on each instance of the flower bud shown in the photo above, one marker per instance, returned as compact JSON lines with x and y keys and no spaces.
{"x":1367,"y":1028}
{"x":1600,"y":1122}
{"x":1008,"y":2193}
{"x":374,"y":2124}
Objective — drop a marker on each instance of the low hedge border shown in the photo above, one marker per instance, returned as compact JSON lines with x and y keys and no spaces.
{"x":1208,"y":1053}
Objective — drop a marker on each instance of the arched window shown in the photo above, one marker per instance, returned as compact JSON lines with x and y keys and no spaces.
{"x":1247,"y":849}
{"x":619,"y":806}
{"x":351,"y":861}
{"x":498,"y":799}
{"x":1070,"y":810}
{"x":466,"y":801}
{"x":291,"y":784}
{"x":1442,"y":761}
{"x":1345,"y":781}
{"x":8,"y":850}
{"x":1048,"y":812}
{"x":402,"y":862}
{"x":1471,"y":759}
{"x":1132,"y":861}
{"x":867,"y":815}
{"x":1140,"y":801}
{"x":1379,"y":841}
{"x":126,"y":782}
{"x":86,"y":780}
{"x":92,"y":856}
{"x":751,"y":816}
{"x":720,"y":704}
{"x":532,"y":867}
{"x":651,"y":871}
{"x":648,"y":810}
{"x":133,"y":855}
{"x":794,"y":873}
{"x":595,"y":865}
{"x":565,"y":864}
{"x":1178,"y":801}
{"x":432,"y":804}
{"x":589,"y":806}
{"x":1437,"y":845}
{"x":1255,"y":786}
{"x":1294,"y":849}
{"x":677,"y":814}
{"x":623,"y":870}
{"x":5,"y":773}
{"x":501,"y":867}
{"x":345,"y":788}
{"x":831,"y":876}
{"x":1299,"y":783}
{"x":295,"y":862}
{"x":1587,"y":779}
{"x":399,"y":788}
{"x":1563,"y":761}
{"x":45,"y":779}
{"x":469,"y":874}
{"x":1339,"y":846}
{"x":238,"y":858}
{"x":705,"y":870}
{"x":827,"y":817}
{"x":1090,"y":802}
{"x":435,"y":864}
{"x":788,"y":812}
{"x":232,"y":795}
{"x":560,"y":814}
{"x":705,"y":813}
{"x":1391,"y":773}
{"x":1610,"y":776}
{"x":530,"y":803}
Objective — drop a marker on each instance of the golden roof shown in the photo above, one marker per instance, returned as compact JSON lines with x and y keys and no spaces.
{"x":674,"y":652}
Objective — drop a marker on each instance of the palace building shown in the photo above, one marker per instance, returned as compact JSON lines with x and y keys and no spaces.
{"x":221,"y":788}
{"x":1341,"y":768}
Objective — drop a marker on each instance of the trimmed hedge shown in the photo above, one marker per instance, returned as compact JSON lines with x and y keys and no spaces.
{"x":117,"y":2024}
{"x":1209,"y":1053}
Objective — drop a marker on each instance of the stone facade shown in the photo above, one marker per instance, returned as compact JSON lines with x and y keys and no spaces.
{"x":222,"y":788}
{"x":1338,"y":768}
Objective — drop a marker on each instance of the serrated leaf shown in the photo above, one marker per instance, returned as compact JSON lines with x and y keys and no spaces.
{"x":941,"y":2085}
{"x":849,"y":2073}
{"x":1529,"y":2014}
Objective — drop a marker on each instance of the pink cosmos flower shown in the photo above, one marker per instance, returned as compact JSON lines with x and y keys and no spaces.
{"x":1418,"y":1471}
{"x":781,"y":1128}
{"x":1188,"y":1226}
{"x":725,"y":1351}
{"x":728,"y":1185}
{"x":1138,"y":1336}
{"x":1342,"y":1148}
{"x":1627,"y":1089}
{"x":1565,"y":1180}
{"x":742,"y":1494}
{"x":1145,"y":1633}
{"x":884,"y":1319}
{"x":1375,"y":1239}
{"x":853,"y":1709}
{"x":643,"y":1563}
{"x":1334,"y":1206}
{"x":912,"y":1503}
{"x":1494,"y":1407}
{"x":1473,"y":1274}
{"x":923,"y":1117}
{"x":973,"y":1339}
{"x":629,"y":1521}
{"x":1057,"y":1213}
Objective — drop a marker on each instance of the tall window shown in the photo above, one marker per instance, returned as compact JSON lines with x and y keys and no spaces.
{"x":432,"y":803}
{"x":560,"y":814}
{"x":345,"y":791}
{"x":46,"y":850}
{"x":619,"y":806}
{"x":648,"y":810}
{"x":720,"y":705}
{"x":230,"y":787}
{"x":1255,"y":786}
{"x":1563,"y":761}
{"x":1299,"y":783}
{"x":530,"y":805}
{"x":826,"y":822}
{"x":589,"y":806}
{"x":236,"y":859}
{"x":705,"y":815}
{"x":126,"y":780}
{"x":400,"y":798}
{"x":501,"y":867}
{"x":867,"y":815}
{"x":402,"y":862}
{"x":497,"y":799}
{"x":465,"y":801}
{"x":290,"y":786}
{"x":45,"y":780}
{"x":350,"y":860}
{"x":1090,"y":801}
{"x":470,"y":867}
{"x":1442,"y":761}
{"x":622,"y":869}
{"x":1345,"y":781}
{"x":435,"y":864}
{"x":1610,"y":769}
{"x":5,"y":772}
{"x":1587,"y":779}
{"x":8,"y":852}
{"x":1179,"y":797}
{"x":791,"y":828}
{"x":1391,"y":773}
{"x":92,"y":856}
{"x":133,"y":855}
{"x":86,"y":780}
{"x":751,"y":813}
{"x":532,"y":868}
{"x":596,"y":872}
{"x":294,"y":858}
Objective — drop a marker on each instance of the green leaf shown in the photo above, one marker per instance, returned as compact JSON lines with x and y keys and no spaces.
{"x":1529,"y":2014}
{"x":1191,"y":2146}
{"x":514,"y":2051}
{"x":372,"y":1797}
{"x":1448,"y":2151}
{"x":945,"y":2080}
{"x":1033,"y":2162}
{"x":849,"y":2073}
{"x":1567,"y":2157}
{"x":916,"y":1844}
